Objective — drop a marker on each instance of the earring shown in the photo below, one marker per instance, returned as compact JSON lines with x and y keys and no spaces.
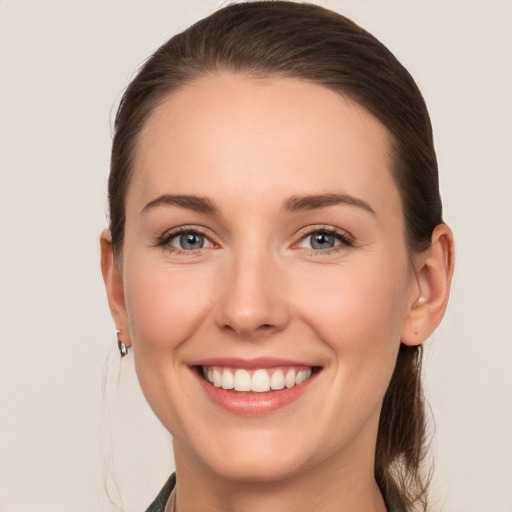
{"x":123,"y":349}
{"x":420,"y":301}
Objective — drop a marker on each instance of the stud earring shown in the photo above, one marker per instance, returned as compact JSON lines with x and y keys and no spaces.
{"x":420,"y":301}
{"x":123,"y":349}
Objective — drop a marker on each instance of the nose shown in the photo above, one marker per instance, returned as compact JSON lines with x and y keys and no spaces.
{"x":252,"y":302}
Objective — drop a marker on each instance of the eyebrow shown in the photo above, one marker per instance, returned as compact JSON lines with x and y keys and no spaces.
{"x":293,"y":204}
{"x":313,"y":202}
{"x":190,"y":202}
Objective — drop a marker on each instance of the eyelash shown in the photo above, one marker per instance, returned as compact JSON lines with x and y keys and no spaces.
{"x":346,"y":240}
{"x":164,"y":240}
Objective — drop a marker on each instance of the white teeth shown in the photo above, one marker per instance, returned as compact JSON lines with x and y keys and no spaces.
{"x":217,"y":378}
{"x":302,"y":376}
{"x":242,"y":380}
{"x":289,"y":380}
{"x":277,"y":380}
{"x":228,"y":381}
{"x":261,"y":380}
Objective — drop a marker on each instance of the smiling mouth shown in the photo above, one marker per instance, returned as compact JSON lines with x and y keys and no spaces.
{"x":258,"y":380}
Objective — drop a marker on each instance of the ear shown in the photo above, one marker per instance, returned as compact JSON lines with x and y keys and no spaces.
{"x":434,"y":270}
{"x":113,"y":278}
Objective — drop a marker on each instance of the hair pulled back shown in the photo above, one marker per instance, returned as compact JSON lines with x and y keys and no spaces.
{"x":308,"y":42}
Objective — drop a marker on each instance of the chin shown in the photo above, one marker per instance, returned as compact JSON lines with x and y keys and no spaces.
{"x":258,"y":471}
{"x":267,"y":459}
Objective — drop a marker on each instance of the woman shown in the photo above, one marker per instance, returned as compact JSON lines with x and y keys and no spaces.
{"x":276,"y":257}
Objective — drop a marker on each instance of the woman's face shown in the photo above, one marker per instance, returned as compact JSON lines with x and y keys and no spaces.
{"x":264,"y":245}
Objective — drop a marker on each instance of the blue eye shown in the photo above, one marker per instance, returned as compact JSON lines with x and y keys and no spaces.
{"x":187,"y":241}
{"x":323,"y":240}
{"x":191,"y":241}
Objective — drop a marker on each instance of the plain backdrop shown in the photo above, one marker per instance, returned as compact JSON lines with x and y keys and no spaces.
{"x":72,"y":419}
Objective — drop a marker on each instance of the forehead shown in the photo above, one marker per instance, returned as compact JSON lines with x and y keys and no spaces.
{"x":228,"y":136}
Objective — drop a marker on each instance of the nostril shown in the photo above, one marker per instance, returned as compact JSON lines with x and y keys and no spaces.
{"x":266,"y":328}
{"x":262,"y":329}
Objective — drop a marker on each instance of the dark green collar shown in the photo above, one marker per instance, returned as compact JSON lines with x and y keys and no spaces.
{"x":160,"y":501}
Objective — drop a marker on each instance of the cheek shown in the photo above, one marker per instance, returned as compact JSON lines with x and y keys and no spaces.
{"x":358,"y":312}
{"x":164,"y":305}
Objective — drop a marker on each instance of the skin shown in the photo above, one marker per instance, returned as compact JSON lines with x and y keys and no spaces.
{"x":258,"y":288}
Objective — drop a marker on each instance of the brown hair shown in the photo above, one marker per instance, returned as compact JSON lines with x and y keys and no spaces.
{"x":308,"y":42}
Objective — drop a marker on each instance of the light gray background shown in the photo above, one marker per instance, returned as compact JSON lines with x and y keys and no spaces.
{"x":63,"y":65}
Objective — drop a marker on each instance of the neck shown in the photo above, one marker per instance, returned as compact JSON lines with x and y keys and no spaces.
{"x":348,"y":487}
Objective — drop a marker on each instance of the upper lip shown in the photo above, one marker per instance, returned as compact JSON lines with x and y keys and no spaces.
{"x":250,"y":364}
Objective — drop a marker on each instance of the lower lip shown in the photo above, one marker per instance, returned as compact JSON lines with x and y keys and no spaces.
{"x":253,"y":404}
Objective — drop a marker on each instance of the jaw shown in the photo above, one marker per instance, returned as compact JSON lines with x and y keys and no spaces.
{"x":257,"y":470}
